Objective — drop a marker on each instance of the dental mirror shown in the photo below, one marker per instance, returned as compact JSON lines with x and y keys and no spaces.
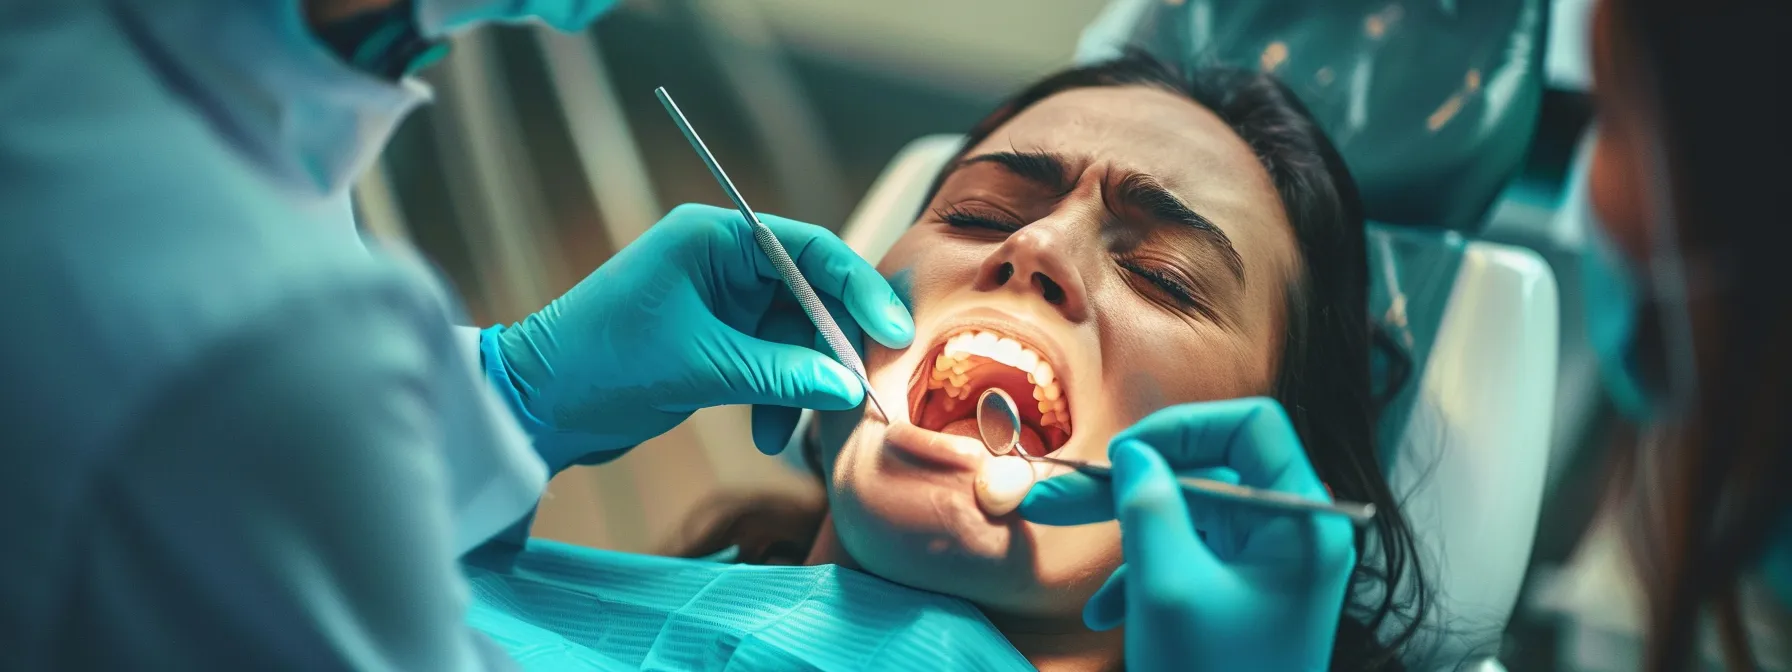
{"x":998,"y":421}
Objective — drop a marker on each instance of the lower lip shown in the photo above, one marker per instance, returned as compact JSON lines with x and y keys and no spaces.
{"x":934,"y":448}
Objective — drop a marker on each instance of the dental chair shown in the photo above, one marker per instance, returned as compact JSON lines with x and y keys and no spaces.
{"x":1465,"y":441}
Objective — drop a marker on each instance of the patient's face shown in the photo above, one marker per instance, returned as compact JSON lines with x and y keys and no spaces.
{"x":1123,"y":247}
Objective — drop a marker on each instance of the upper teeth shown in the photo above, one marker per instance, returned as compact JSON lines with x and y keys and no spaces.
{"x":951,"y":372}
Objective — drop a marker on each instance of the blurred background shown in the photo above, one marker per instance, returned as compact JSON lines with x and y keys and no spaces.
{"x":546,"y":152}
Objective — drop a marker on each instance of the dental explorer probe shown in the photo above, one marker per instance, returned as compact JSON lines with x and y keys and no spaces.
{"x":998,"y":425}
{"x":768,"y":243}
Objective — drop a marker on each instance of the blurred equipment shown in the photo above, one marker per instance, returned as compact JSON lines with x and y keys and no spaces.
{"x":768,"y":243}
{"x":1431,"y":103}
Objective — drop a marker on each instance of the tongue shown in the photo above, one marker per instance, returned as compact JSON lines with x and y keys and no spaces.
{"x":1029,"y":439}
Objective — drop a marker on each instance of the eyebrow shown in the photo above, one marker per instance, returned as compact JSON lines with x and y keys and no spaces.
{"x":1041,"y":167}
{"x":1137,"y":190}
{"x":1146,"y":193}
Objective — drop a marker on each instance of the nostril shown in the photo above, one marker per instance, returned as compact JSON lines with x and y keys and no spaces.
{"x":1004,"y":273}
{"x":1054,"y":294}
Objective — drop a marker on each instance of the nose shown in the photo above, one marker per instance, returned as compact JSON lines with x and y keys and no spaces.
{"x":1036,"y":260}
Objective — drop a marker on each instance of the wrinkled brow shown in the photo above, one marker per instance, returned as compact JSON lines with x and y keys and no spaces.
{"x":1138,"y":190}
{"x":1045,"y":168}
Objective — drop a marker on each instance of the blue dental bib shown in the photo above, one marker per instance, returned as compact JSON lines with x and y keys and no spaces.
{"x":560,"y":607}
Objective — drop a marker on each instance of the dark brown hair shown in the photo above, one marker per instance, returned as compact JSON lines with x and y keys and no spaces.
{"x":1716,"y":72}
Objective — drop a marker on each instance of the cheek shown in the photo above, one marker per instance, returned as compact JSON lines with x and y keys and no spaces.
{"x":901,"y":255}
{"x":923,"y":266}
{"x":1155,"y":360}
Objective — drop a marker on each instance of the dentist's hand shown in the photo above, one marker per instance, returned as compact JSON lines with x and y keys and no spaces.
{"x":693,"y":315}
{"x":1259,"y":591}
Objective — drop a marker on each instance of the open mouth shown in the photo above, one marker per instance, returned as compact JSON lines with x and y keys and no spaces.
{"x":943,"y":394}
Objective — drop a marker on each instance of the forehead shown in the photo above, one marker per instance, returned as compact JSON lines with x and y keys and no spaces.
{"x":1188,"y":148}
{"x":1143,"y":129}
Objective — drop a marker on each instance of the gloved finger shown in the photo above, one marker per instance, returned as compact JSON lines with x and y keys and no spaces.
{"x":1214,"y":519}
{"x":1071,"y":499}
{"x":848,"y":328}
{"x":1076,"y":498}
{"x":835,"y":270}
{"x":1106,"y":609}
{"x":772,"y":427}
{"x":1251,"y":436}
{"x":755,"y":371}
{"x":1157,"y":534}
{"x":785,"y":323}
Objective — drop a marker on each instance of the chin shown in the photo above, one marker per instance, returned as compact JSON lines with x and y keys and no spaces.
{"x":924,"y":529}
{"x":918,"y":523}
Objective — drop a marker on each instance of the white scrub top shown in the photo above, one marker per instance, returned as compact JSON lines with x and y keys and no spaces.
{"x":232,"y":436}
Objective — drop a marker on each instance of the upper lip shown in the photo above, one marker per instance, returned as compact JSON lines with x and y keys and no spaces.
{"x":1013,"y":326}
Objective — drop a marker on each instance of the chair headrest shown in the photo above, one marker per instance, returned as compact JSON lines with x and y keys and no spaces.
{"x":1431,"y":103}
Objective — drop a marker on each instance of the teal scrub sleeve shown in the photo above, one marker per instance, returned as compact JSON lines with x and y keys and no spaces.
{"x":284,"y":505}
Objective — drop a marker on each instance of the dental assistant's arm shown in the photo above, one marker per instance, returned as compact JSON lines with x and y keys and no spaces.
{"x":285,"y":505}
{"x":1253,"y":590}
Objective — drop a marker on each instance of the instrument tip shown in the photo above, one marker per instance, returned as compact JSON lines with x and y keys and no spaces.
{"x":872,"y":397}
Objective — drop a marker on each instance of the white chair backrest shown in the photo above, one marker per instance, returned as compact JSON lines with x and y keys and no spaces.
{"x":894,"y":200}
{"x":1472,"y":460}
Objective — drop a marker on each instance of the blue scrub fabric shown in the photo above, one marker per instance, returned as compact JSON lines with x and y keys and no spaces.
{"x":556,"y":607}
{"x":232,"y":436}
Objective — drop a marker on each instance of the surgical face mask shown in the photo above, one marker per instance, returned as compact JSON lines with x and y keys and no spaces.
{"x":438,"y":18}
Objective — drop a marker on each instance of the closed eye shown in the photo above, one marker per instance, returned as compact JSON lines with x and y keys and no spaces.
{"x":1171,"y":285}
{"x":967,"y":219}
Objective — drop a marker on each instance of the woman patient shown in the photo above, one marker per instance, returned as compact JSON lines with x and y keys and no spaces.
{"x":1112,"y":241}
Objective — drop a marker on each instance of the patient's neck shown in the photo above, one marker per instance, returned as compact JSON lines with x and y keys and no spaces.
{"x":1062,"y":646}
{"x":1052,"y":645}
{"x":827,"y":549}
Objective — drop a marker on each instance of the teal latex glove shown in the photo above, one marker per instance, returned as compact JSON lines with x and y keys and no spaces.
{"x":441,"y":17}
{"x":1255,"y":590}
{"x":693,"y":315}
